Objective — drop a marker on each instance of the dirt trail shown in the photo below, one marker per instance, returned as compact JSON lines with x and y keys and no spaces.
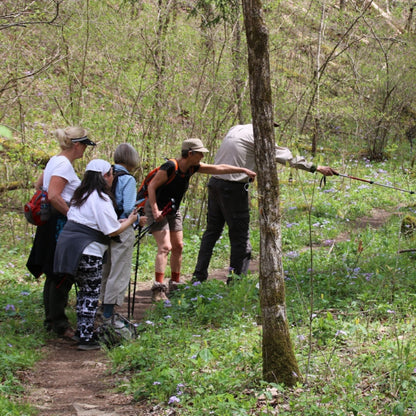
{"x":69,"y":382}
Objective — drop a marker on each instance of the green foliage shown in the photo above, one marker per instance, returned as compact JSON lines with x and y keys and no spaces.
{"x":173,"y":75}
{"x":8,"y":408}
{"x":350,"y":305}
{"x":151,"y":74}
{"x":21,"y":314}
{"x":204,"y":329}
{"x":5,"y":132}
{"x":215,"y":11}
{"x":408,"y":226}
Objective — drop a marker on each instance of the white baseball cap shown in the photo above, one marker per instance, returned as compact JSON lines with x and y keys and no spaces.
{"x":98,"y":165}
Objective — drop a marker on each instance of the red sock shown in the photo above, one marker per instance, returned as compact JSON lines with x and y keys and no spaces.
{"x":159,"y":277}
{"x":175,"y":276}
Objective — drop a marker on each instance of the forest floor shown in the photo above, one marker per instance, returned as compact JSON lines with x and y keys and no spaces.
{"x":69,"y":382}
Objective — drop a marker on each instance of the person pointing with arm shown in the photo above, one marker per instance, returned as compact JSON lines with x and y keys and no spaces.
{"x":228,"y":199}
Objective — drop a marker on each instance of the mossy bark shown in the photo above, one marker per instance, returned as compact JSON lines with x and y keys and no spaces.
{"x":279,"y":362}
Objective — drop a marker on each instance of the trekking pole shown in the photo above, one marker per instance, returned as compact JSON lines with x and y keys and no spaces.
{"x":170,"y":207}
{"x":140,"y":212}
{"x":374,"y":183}
{"x":136,"y":268}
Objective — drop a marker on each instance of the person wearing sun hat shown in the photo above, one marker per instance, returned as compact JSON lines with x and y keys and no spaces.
{"x":60,"y":180}
{"x":92,"y":221}
{"x":167,"y":229}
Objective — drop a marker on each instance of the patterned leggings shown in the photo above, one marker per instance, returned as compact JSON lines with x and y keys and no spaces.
{"x":88,"y":279}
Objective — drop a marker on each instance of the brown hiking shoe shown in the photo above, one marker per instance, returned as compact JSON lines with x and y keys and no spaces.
{"x":175,"y":285}
{"x":159,"y":292}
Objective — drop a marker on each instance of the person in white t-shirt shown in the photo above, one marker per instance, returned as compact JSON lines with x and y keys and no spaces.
{"x":92,"y":222}
{"x":60,"y":181}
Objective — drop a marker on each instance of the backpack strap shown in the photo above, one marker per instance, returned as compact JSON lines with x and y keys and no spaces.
{"x":116,"y":175}
{"x":174,"y":173}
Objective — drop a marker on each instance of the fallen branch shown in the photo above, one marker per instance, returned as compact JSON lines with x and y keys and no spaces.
{"x":37,"y":157}
{"x":387,"y":17}
{"x":13,"y":186}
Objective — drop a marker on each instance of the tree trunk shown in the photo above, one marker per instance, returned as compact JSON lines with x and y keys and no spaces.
{"x":237,"y":65}
{"x":279,"y":362}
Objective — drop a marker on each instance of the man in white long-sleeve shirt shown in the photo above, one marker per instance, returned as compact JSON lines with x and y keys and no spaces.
{"x":228,"y":199}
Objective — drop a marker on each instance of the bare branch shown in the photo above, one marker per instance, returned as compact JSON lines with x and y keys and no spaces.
{"x":12,"y":82}
{"x":27,"y":23}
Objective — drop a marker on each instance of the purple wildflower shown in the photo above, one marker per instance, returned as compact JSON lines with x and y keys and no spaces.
{"x":173,"y":400}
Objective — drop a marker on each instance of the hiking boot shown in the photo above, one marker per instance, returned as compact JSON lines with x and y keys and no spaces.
{"x":69,"y":335}
{"x":159,"y":292}
{"x":175,"y":285}
{"x":200,"y":279}
{"x":114,"y":321}
{"x":76,"y":337}
{"x":88,"y":345}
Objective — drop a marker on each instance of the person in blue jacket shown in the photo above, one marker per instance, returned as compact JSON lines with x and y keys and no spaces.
{"x":117,"y":269}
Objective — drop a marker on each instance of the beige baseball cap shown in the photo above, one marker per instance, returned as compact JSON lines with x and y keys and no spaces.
{"x":194,"y":145}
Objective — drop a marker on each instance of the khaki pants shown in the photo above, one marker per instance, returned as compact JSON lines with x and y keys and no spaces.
{"x":117,"y":269}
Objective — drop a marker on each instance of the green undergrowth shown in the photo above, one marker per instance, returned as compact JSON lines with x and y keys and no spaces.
{"x":21,"y":339}
{"x":350,"y":300}
{"x":201,"y":351}
{"x":350,"y":296}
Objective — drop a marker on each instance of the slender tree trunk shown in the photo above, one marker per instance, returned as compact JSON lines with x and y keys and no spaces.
{"x":238,"y":78}
{"x":409,"y":21}
{"x":279,"y":362}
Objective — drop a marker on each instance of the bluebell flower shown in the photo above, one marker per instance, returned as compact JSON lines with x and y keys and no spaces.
{"x":368,"y":276}
{"x":173,"y":399}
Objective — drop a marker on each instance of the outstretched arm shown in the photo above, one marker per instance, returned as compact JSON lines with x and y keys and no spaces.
{"x":221,"y":169}
{"x":284,"y":156}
